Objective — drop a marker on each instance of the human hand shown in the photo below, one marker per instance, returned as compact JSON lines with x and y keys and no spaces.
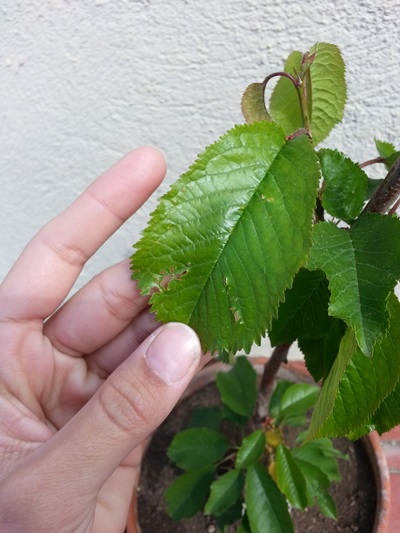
{"x":82,"y":385}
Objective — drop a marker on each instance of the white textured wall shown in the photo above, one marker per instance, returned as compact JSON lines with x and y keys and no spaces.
{"x":82,"y":82}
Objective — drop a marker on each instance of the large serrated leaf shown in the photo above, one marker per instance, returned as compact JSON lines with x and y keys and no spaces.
{"x":266,"y":507}
{"x":226,"y":241}
{"x":362,"y":265}
{"x":388,"y":414}
{"x":290,"y":478}
{"x":357,"y":385}
{"x":304,"y":313}
{"x":345,"y":185}
{"x":328,"y":93}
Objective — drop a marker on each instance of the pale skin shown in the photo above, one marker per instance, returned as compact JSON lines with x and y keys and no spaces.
{"x":83,"y":385}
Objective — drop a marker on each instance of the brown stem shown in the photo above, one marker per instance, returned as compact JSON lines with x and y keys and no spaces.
{"x":387,"y":193}
{"x":279,"y":356}
{"x":372,"y":162}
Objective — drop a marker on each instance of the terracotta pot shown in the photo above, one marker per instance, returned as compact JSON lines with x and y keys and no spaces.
{"x":296,"y":371}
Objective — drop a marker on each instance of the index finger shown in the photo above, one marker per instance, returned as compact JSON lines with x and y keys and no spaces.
{"x":49,"y":265}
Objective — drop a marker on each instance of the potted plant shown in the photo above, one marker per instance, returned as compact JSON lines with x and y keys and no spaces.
{"x":267,"y":233}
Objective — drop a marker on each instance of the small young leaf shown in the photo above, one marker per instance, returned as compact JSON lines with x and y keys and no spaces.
{"x":251,"y":449}
{"x":304,"y":313}
{"x":253,"y":104}
{"x":188,"y":493}
{"x":276,"y":397}
{"x":290,"y":478}
{"x":387,"y":151}
{"x":296,"y":401}
{"x":357,"y":385}
{"x":193,"y":449}
{"x":209,"y":417}
{"x":328,"y":85}
{"x":362,"y":265}
{"x":237,"y":387}
{"x":316,"y":479}
{"x":266,"y":507}
{"x":327,"y":505}
{"x":225,"y":491}
{"x":320,"y":452}
{"x":227,"y":239}
{"x":345,"y":185}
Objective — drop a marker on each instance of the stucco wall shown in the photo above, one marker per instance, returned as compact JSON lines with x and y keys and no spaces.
{"x":82,"y":82}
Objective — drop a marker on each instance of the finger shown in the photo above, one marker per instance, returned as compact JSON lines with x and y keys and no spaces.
{"x":97,"y":313}
{"x":47,"y":268}
{"x":128,"y":407}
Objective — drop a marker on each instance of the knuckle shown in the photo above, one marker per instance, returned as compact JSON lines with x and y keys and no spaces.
{"x":125,"y":407}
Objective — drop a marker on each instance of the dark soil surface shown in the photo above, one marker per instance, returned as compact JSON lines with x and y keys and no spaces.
{"x":355,"y":495}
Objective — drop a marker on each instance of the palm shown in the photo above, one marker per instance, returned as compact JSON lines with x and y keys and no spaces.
{"x":52,"y":367}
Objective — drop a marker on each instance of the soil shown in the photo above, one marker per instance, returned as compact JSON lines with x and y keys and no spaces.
{"x":355,"y":495}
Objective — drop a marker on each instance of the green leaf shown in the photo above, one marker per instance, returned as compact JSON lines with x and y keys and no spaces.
{"x":227,"y":239}
{"x":320,"y":452}
{"x":276,"y":397}
{"x":296,"y":401}
{"x":328,"y":93}
{"x":231,"y":515}
{"x":234,"y":418}
{"x":209,"y":417}
{"x":304,"y":313}
{"x":316,"y":479}
{"x":387,"y":151}
{"x":251,"y":449}
{"x":193,"y":449}
{"x":373,"y":185}
{"x":327,"y":505}
{"x":253,"y":104}
{"x":238,"y":388}
{"x":266,"y":507}
{"x":290,"y":478}
{"x":320,"y":354}
{"x":188,"y":493}
{"x":388,"y":414}
{"x":225,"y":491}
{"x":345,"y":185}
{"x":244,"y":525}
{"x":362,"y":265}
{"x":357,"y":385}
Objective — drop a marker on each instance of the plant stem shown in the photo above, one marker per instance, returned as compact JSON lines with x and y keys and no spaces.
{"x":279,"y":356}
{"x":372,"y":162}
{"x":387,"y":193}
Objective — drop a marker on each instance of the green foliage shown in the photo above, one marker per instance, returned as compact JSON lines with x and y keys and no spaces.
{"x":265,"y":235}
{"x":237,"y":387}
{"x":197,"y":448}
{"x":239,"y":200}
{"x":328,"y":88}
{"x":345,"y":185}
{"x":266,"y":507}
{"x":362,"y":265}
{"x":253,"y":104}
{"x":237,"y":473}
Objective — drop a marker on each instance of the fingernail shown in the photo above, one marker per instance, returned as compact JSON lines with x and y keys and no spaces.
{"x":172,"y":352}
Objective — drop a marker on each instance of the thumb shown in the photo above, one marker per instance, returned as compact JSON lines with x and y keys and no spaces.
{"x":128,"y":407}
